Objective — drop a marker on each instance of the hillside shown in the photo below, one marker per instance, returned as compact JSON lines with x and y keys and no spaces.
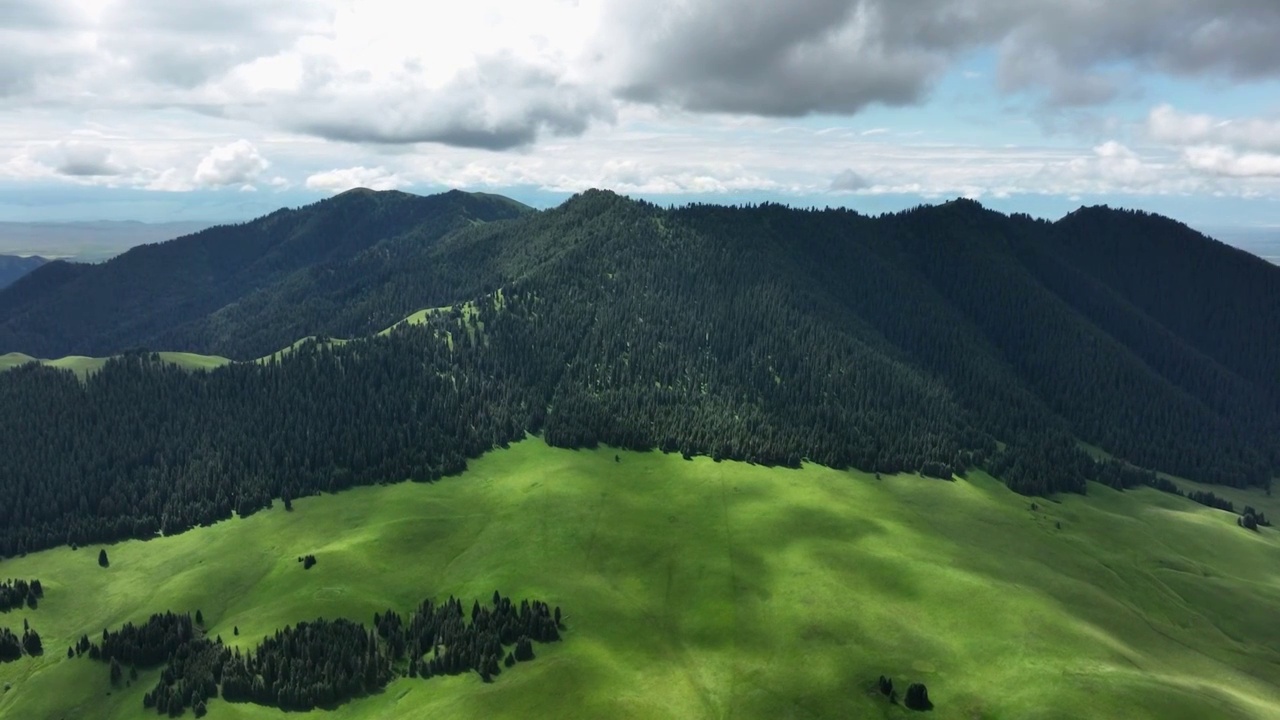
{"x":152,"y":295}
{"x":13,"y":267}
{"x":939,"y":340}
{"x":707,"y":590}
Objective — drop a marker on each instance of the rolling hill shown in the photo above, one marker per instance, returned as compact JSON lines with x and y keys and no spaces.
{"x":702,"y":590}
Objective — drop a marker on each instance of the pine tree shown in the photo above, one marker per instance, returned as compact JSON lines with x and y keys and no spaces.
{"x":918,"y":697}
{"x":102,"y":558}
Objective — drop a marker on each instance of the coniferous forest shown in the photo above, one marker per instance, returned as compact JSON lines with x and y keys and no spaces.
{"x":322,"y":663}
{"x":935,"y":340}
{"x":15,"y":594}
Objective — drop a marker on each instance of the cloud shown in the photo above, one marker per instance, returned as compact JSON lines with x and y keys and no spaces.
{"x":376,"y":178}
{"x":848,"y":181}
{"x":234,"y":164}
{"x":169,"y":180}
{"x":768,"y":58}
{"x":652,"y":96}
{"x":190,"y":46}
{"x":1166,"y":124}
{"x":498,"y":104}
{"x":85,"y":160}
{"x":1224,"y":161}
{"x":839,"y":56}
{"x":498,"y":75}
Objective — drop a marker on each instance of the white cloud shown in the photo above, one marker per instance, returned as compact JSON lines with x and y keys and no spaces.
{"x":1224,"y":161}
{"x":169,"y":180}
{"x":236,"y":163}
{"x":1166,"y":124}
{"x":652,"y":96}
{"x":376,"y":178}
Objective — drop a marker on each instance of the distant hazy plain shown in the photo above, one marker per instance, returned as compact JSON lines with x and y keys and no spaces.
{"x":1263,"y":242}
{"x":87,"y":241}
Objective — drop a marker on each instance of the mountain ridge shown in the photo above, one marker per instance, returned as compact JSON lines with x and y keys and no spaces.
{"x":147,"y":294}
{"x":933,"y":340}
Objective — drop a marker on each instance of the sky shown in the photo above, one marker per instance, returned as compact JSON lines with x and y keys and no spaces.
{"x":221,"y":110}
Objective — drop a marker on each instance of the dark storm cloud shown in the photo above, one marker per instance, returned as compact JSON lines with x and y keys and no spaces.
{"x":498,"y":105}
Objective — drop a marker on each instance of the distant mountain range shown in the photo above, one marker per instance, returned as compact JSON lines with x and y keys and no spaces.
{"x":938,"y":339}
{"x":13,"y":267}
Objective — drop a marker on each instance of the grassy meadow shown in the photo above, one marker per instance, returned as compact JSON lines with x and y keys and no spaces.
{"x":84,"y":366}
{"x":695,"y":589}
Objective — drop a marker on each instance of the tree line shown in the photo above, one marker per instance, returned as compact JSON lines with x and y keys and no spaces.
{"x":322,"y":663}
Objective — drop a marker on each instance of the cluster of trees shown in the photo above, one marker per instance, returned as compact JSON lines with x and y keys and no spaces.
{"x":145,"y":645}
{"x":917,"y":697}
{"x":1209,"y":499}
{"x":456,"y":646}
{"x":12,"y":647}
{"x":309,"y":665}
{"x":322,"y":663}
{"x":308,"y":561}
{"x":16,"y":593}
{"x":934,"y":340}
{"x":189,"y":680}
{"x":1251,"y":519}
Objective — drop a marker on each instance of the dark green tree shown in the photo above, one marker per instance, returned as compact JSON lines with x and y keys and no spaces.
{"x":917,"y":697}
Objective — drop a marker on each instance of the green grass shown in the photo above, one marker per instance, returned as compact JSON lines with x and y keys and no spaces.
{"x":716,"y":590}
{"x":1257,"y":497}
{"x":470,"y":321}
{"x":14,"y":359}
{"x":193,"y":361}
{"x":84,"y":366}
{"x":283,"y":352}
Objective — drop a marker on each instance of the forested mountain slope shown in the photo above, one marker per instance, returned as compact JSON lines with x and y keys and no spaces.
{"x":153,"y":295}
{"x":13,"y":267}
{"x":932,"y":340}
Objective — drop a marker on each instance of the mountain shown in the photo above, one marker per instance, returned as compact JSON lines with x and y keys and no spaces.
{"x":934,"y":340}
{"x":13,"y":267}
{"x":154,"y":295}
